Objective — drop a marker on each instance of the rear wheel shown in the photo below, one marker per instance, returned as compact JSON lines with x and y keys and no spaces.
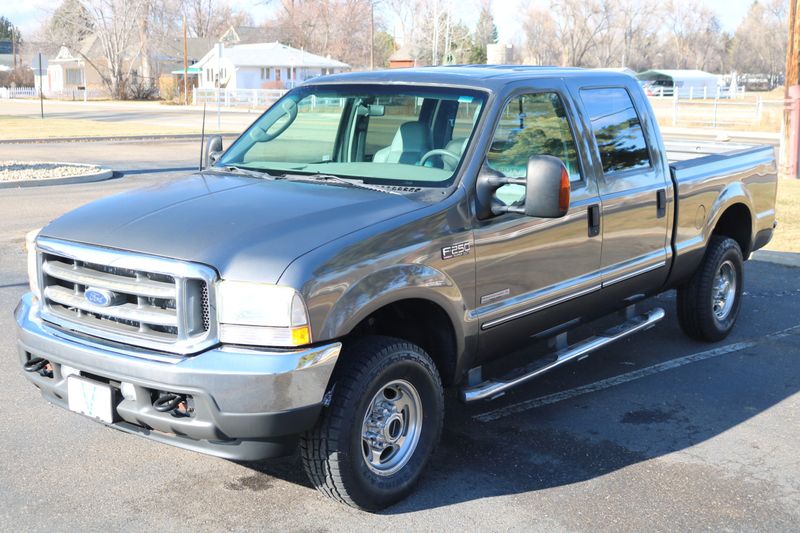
{"x":708,"y":304}
{"x":371,"y":444}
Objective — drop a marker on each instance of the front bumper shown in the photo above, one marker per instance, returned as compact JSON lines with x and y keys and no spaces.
{"x":247,"y":404}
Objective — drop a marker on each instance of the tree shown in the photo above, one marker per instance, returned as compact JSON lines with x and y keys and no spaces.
{"x":210,"y":18}
{"x":579,"y":26}
{"x":339,"y":28}
{"x":70,"y":23}
{"x":694,"y":38}
{"x":541,"y":40}
{"x":485,"y":33}
{"x":7,"y":30}
{"x":759,"y":43}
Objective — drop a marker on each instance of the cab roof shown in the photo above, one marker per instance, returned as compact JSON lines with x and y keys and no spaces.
{"x":491,"y":77}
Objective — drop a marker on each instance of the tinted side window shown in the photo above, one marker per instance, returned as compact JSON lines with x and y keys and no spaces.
{"x":616,"y":128}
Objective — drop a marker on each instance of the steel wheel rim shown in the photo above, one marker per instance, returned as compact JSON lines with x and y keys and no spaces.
{"x":391,"y":428}
{"x":723,"y":292}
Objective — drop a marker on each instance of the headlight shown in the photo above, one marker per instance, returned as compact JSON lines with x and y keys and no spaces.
{"x":260,"y":314}
{"x":33,"y":262}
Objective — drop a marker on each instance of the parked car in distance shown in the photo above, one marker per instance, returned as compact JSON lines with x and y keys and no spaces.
{"x":371,"y":239}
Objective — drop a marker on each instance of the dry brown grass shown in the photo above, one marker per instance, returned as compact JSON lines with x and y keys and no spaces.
{"x":787,"y":236}
{"x":27,"y":127}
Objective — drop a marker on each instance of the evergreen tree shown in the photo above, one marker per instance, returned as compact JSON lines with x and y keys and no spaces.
{"x":485,"y":33}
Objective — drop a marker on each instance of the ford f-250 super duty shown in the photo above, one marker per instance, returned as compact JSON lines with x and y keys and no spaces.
{"x":371,"y":239}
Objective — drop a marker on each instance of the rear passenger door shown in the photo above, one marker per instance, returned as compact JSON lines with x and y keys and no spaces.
{"x":633,"y":189}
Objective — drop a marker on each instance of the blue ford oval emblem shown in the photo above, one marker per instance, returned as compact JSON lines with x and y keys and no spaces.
{"x":101,"y":297}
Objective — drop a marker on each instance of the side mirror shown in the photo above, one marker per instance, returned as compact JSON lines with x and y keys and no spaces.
{"x":547,"y":187}
{"x":213,"y":150}
{"x":547,"y":190}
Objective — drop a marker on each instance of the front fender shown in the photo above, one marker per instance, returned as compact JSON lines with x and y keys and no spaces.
{"x":392,"y":284}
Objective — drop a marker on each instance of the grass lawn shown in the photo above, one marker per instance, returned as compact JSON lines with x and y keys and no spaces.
{"x":787,"y":236}
{"x":26,"y":127}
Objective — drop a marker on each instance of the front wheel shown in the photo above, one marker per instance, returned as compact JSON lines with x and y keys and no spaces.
{"x":370,"y":445}
{"x":709,"y":302}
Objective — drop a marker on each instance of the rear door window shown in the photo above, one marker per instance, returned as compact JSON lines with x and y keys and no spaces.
{"x":617,"y":130}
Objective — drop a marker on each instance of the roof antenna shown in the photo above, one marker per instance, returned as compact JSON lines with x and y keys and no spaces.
{"x":202,"y":137}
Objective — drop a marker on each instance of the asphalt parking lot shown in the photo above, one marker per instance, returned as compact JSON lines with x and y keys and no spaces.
{"x":654,"y":433}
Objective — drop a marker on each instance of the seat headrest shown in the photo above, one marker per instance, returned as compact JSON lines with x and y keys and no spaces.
{"x":412,"y":137}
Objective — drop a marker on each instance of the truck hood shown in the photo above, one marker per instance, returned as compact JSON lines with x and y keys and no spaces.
{"x":246,"y":228}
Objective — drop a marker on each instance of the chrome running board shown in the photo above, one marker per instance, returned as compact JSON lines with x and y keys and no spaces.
{"x":492,"y":388}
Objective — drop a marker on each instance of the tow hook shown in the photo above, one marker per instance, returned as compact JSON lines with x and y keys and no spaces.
{"x":168,"y":401}
{"x":37,"y":364}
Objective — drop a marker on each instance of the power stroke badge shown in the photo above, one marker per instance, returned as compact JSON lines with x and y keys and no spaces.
{"x":456,"y":250}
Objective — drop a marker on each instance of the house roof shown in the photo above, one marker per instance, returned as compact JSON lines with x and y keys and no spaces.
{"x":272,"y":54}
{"x":248,"y":35}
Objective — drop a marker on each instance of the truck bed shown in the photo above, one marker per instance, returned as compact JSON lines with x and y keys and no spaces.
{"x":704,"y":176}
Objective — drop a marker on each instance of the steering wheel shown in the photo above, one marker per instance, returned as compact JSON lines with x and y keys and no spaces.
{"x":440,"y":152}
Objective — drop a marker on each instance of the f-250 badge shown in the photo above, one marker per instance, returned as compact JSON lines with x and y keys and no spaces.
{"x":456,"y":250}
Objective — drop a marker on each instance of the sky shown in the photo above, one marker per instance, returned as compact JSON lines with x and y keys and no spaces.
{"x":29,"y":14}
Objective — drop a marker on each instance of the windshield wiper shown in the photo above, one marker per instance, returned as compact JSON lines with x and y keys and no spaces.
{"x":252,"y":172}
{"x":318,"y":176}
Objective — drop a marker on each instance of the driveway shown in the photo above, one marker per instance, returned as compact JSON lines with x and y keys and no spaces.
{"x":654,"y":433}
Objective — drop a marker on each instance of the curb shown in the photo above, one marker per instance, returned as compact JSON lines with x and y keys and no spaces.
{"x":789,"y":259}
{"x":103,"y":174}
{"x":119,"y":138}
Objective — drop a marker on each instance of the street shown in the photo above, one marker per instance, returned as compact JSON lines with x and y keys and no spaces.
{"x":653,"y":433}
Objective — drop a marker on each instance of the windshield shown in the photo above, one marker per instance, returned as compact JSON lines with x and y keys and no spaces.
{"x":393,"y":135}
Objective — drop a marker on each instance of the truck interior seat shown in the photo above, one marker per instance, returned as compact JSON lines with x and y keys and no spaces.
{"x":410,"y":143}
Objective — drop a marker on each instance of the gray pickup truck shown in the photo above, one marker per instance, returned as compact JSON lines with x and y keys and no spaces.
{"x":372,"y":239}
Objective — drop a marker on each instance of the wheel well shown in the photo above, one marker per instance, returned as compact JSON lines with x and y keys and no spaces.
{"x":737,"y":224}
{"x":421,"y":322}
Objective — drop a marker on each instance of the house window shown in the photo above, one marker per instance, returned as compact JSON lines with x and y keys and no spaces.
{"x":74,"y":76}
{"x":264,"y":73}
{"x":277,"y":74}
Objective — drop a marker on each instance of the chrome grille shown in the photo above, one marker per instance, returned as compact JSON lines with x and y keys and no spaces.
{"x":156,"y":303}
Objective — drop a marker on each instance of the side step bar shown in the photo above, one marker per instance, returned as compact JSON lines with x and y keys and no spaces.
{"x":491,"y":389}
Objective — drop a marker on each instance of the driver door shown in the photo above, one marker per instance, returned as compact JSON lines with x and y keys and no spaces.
{"x":527,"y":265}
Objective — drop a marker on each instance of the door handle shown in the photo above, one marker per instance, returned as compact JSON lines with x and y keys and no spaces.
{"x":594,"y":220}
{"x":661,"y":203}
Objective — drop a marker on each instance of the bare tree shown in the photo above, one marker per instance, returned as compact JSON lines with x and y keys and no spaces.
{"x":339,"y":28}
{"x":695,"y":39}
{"x":579,"y":27}
{"x":759,"y":44}
{"x":113,"y":26}
{"x":541,"y":37}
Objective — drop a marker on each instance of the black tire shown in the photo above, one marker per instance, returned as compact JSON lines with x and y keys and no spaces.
{"x":333,"y":451}
{"x":696,"y":308}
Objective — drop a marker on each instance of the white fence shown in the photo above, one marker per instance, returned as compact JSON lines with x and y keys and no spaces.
{"x":719,"y":112}
{"x":693,"y":93}
{"x":237,"y":97}
{"x":17,"y":92}
{"x":67,"y":94}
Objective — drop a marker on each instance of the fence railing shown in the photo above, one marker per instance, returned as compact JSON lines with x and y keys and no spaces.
{"x":237,"y":97}
{"x":66,"y":94}
{"x":702,"y":93}
{"x":752,"y":113}
{"x":18,"y":92}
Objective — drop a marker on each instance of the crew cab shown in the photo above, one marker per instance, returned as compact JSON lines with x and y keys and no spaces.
{"x":372,"y":239}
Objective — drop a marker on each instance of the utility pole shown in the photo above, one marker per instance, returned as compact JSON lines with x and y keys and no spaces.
{"x":372,"y":35}
{"x":185,"y":67}
{"x":14,"y":45}
{"x":790,"y":143}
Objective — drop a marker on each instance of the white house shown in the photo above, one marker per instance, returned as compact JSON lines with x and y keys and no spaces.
{"x":262,"y":66}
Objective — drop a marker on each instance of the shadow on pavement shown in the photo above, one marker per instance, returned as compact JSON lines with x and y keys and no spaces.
{"x":588,"y":436}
